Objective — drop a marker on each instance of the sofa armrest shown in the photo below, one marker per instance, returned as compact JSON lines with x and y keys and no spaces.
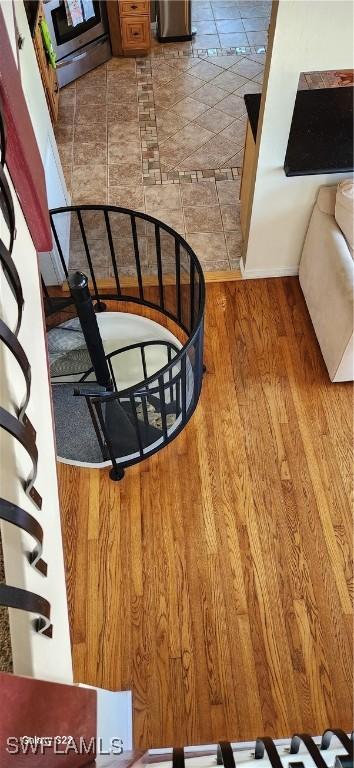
{"x":326,"y":277}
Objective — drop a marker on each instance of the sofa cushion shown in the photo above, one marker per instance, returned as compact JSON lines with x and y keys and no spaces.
{"x":326,"y":199}
{"x":344,"y":211}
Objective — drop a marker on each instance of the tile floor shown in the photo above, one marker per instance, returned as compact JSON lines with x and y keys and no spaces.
{"x":165,"y":134}
{"x":225,"y":23}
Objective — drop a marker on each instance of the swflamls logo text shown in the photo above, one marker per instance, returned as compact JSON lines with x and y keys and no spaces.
{"x":62,"y":745}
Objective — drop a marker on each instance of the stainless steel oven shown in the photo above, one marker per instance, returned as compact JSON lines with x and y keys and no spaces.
{"x":79,"y":48}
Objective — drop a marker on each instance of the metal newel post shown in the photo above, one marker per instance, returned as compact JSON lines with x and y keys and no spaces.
{"x":78,"y":284}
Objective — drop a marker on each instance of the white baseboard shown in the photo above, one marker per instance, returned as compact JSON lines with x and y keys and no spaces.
{"x":252,"y":274}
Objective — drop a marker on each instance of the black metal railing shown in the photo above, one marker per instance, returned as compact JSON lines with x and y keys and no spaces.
{"x":274,"y":751}
{"x":141,"y":346}
{"x":149,"y":265}
{"x":18,"y":425}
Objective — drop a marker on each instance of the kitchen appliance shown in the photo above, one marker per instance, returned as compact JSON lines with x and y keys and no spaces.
{"x":174,"y":20}
{"x":78,"y":48}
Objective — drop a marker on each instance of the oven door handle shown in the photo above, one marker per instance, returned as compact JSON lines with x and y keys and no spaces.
{"x":71,"y":59}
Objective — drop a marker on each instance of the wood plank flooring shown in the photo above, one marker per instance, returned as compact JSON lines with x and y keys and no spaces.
{"x":215,"y":580}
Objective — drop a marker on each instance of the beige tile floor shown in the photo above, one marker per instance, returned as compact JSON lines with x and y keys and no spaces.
{"x":101,"y":151}
{"x":224,"y":23}
{"x":205,"y":129}
{"x":165,"y":134}
{"x":221,"y":24}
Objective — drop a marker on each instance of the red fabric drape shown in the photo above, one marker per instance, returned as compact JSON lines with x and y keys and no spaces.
{"x":22,"y":154}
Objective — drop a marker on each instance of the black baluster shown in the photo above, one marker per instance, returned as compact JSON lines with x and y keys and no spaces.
{"x":225,"y":755}
{"x":170,"y":370}
{"x":112,"y":252}
{"x":136,"y":423}
{"x":178,"y":279}
{"x":57,"y":242}
{"x":267,"y":744}
{"x":178,"y":757}
{"x":159,"y":264}
{"x":341,"y":736}
{"x":191,"y":277}
{"x":137,"y":256}
{"x":100,"y":306}
{"x":310,"y":746}
{"x":183,"y":386}
{"x":162,"y":406}
{"x":143,"y":360}
{"x":117,"y":472}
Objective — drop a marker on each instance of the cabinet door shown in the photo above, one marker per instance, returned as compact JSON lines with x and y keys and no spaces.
{"x":135,"y":33}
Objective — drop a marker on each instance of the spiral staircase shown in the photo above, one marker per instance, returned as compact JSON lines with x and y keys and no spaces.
{"x":127,"y":374}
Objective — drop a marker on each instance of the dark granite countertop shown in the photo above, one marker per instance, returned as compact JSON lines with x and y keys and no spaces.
{"x":321,"y":134}
{"x":253,"y":103}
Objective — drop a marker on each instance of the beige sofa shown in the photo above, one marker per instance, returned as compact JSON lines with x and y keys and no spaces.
{"x":327,"y":276}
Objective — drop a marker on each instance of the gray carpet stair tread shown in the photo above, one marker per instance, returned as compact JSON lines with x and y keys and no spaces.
{"x":67,"y":349}
{"x":76,"y":438}
{"x":69,"y":363}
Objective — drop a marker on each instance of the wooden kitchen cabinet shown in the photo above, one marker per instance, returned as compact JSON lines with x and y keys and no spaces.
{"x":48,"y":74}
{"x":135,"y":25}
{"x":129,"y":26}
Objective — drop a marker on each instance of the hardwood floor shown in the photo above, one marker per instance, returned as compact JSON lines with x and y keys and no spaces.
{"x":215,"y":579}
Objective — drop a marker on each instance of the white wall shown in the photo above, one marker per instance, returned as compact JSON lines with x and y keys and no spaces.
{"x":57,"y":192}
{"x":309,"y":35}
{"x":33,"y":654}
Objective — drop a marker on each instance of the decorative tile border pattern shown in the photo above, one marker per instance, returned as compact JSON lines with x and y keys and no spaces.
{"x":222,"y":174}
{"x":147,"y":122}
{"x":152,"y":173}
{"x":173,"y":53}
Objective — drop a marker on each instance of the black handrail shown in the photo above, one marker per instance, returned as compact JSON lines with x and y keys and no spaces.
{"x":14,"y":597}
{"x":13,"y":280}
{"x":26,"y":436}
{"x":148,"y":379}
{"x":7,"y":206}
{"x":265,"y":744}
{"x":184,"y":411}
{"x":310,"y":746}
{"x":130,"y":347}
{"x":20,"y":427}
{"x":341,"y":736}
{"x":178,"y":294}
{"x":12,"y":343}
{"x":225,"y":750}
{"x":15,"y":515}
